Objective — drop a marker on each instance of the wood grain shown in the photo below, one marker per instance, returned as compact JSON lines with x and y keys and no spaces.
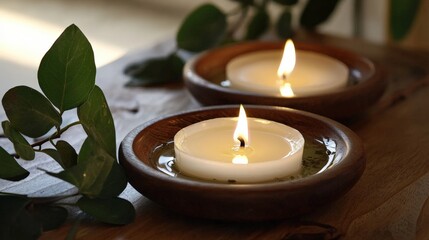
{"x":388,"y":202}
{"x":242,"y":202}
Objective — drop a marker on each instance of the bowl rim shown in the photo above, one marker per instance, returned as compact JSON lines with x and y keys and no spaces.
{"x":343,"y":103}
{"x":352,"y":157}
{"x":191,"y":76}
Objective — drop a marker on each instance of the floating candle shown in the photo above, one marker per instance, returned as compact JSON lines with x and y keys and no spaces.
{"x":306,"y":72}
{"x":219,"y":149}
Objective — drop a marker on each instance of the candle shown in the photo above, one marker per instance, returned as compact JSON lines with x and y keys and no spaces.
{"x":225,"y":149}
{"x":300,"y":73}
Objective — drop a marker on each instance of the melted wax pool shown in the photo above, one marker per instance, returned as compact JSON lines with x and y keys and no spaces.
{"x":319,"y":155}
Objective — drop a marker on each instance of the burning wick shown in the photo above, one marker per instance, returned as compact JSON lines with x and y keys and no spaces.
{"x":241,"y":131}
{"x":242,"y":142}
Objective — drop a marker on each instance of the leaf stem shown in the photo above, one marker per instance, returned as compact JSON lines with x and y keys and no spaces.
{"x":55,"y":135}
{"x":73,"y":230}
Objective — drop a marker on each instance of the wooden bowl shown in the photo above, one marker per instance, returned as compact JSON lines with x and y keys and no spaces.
{"x":203,"y":76}
{"x":242,"y":202}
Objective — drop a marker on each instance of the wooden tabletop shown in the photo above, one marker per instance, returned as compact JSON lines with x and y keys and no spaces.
{"x":390,"y":201}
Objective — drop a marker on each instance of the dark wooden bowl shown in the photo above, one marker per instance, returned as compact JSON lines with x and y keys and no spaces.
{"x":242,"y":202}
{"x":367,"y":82}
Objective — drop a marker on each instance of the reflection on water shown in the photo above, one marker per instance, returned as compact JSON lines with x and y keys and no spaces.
{"x":319,"y":155}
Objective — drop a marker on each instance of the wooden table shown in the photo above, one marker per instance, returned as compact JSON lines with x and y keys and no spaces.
{"x":390,"y":201}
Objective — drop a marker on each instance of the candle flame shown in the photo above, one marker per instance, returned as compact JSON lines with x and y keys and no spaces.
{"x":286,"y":90}
{"x":241,"y":131}
{"x":240,"y":159}
{"x":287,"y":63}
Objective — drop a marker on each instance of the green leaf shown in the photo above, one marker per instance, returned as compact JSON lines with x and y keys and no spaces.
{"x":51,"y":217}
{"x":115,"y":182}
{"x":53,"y":154}
{"x":67,"y":71}
{"x":86,"y":151}
{"x":156,"y":71}
{"x":97,"y":121}
{"x":402,"y":15}
{"x":15,"y":221}
{"x":29,"y":111}
{"x":97,"y":175}
{"x":316,"y":12}
{"x":25,"y":227}
{"x":258,"y":25}
{"x":10,"y":206}
{"x":202,"y":29}
{"x":67,"y":154}
{"x":89,"y":177}
{"x":286,"y":2}
{"x":21,"y":145}
{"x":9,"y":168}
{"x":284,"y":24}
{"x":113,"y":210}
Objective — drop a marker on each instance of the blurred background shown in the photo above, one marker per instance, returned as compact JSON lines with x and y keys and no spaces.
{"x":115,"y":27}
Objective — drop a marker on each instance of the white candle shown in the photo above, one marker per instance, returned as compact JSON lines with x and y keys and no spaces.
{"x":313,"y":73}
{"x":208,"y":150}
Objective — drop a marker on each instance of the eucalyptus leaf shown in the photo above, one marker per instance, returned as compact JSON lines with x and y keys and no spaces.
{"x":25,"y":227}
{"x":51,"y":217}
{"x":284,"y":25}
{"x":86,"y":151}
{"x":258,"y":24}
{"x":29,"y":111}
{"x":67,"y":154}
{"x":156,"y":71}
{"x":9,"y":168}
{"x":10,"y":206}
{"x":97,"y":121}
{"x":316,"y":12}
{"x":286,"y":2}
{"x":402,"y":15}
{"x":15,"y":221}
{"x":21,"y":145}
{"x":115,"y":181}
{"x":89,"y":176}
{"x":54,"y":154}
{"x":112,"y":210}
{"x":203,"y":28}
{"x":67,"y":71}
{"x":95,"y":172}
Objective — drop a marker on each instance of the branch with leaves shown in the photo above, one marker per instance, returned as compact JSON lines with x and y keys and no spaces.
{"x":208,"y":27}
{"x":67,"y":79}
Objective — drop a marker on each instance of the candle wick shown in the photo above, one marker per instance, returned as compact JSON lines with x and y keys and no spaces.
{"x":284,"y":77}
{"x":242,"y":143}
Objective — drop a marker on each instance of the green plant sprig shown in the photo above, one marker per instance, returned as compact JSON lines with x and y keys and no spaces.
{"x":208,"y":26}
{"x":67,"y":78}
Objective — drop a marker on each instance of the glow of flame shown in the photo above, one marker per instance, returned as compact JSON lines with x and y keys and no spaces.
{"x":286,"y":90}
{"x":241,"y":131}
{"x":240,"y":159}
{"x":287,"y":63}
